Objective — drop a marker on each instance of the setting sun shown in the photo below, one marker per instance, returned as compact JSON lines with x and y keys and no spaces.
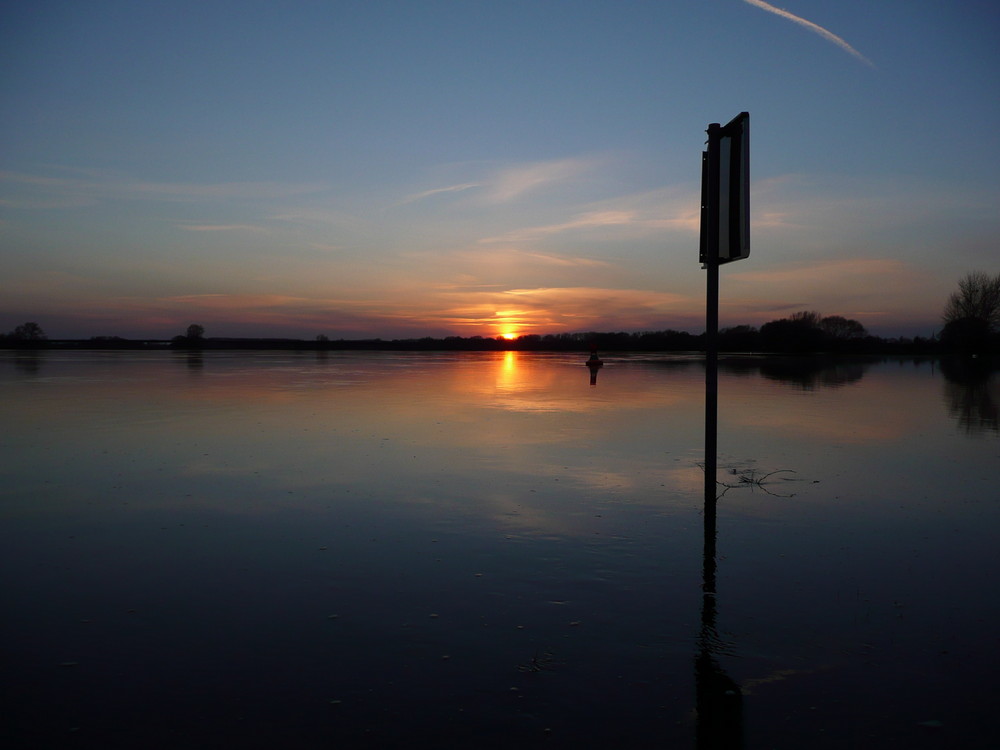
{"x":509,"y":335}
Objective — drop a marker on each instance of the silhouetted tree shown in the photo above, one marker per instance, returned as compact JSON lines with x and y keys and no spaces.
{"x":194,"y":339}
{"x":978,"y":297}
{"x":972,"y":313}
{"x":844,"y":329}
{"x":799,"y":333}
{"x":966,"y":335}
{"x":28,"y":332}
{"x":739,"y":339}
{"x":807,"y":318}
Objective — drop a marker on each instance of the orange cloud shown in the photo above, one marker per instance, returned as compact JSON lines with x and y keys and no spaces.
{"x":554,"y":309}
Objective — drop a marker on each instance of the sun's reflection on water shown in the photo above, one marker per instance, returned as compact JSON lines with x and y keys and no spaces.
{"x":509,"y":378}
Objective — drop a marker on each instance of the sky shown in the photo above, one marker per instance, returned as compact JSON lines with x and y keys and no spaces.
{"x":363,"y":169}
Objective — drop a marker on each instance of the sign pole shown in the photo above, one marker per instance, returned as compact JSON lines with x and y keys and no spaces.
{"x":710,"y":256}
{"x":725,"y":237}
{"x":711,"y":385}
{"x":716,"y":695}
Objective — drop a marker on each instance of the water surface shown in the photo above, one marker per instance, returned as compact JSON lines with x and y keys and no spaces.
{"x":488,"y":550}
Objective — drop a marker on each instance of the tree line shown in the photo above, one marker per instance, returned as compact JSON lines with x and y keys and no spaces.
{"x":971,"y":325}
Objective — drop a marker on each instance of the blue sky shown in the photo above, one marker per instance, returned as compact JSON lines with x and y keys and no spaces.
{"x":429,"y":168}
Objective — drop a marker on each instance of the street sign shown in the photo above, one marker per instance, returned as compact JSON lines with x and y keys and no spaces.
{"x":725,"y":192}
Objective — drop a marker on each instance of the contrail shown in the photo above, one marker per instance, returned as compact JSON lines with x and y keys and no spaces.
{"x":828,"y":35}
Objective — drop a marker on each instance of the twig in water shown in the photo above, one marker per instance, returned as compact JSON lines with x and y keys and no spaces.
{"x":750,"y":478}
{"x":537,"y":663}
{"x":754,"y":480}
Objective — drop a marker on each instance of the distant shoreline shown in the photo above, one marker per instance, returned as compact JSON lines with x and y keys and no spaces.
{"x":581,"y":343}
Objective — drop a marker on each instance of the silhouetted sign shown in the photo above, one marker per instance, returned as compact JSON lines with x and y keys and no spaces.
{"x":725,"y":192}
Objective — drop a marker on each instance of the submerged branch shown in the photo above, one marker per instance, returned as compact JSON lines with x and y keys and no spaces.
{"x":751,"y":478}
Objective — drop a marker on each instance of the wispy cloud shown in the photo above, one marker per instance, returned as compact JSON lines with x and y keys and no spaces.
{"x":563,"y":260}
{"x":589,"y":220}
{"x":71,"y":201}
{"x":437,"y":191}
{"x":647,"y":212}
{"x":497,"y":184}
{"x":815,"y":28}
{"x":319,"y":216}
{"x":510,"y":184}
{"x":110,"y":185}
{"x":229,"y":301}
{"x":221,"y":228}
{"x":474,"y":268}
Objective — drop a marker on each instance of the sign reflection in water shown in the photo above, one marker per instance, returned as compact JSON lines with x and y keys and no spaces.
{"x":463,"y":549}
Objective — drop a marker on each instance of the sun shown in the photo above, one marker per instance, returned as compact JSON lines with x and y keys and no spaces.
{"x":509,"y":335}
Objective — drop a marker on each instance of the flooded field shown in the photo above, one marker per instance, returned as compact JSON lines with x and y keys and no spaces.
{"x":309,"y":550}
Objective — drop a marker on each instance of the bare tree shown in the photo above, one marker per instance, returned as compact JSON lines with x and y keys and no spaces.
{"x":28,"y":332}
{"x":977,"y":300}
{"x":808,"y":318}
{"x":840,"y":327}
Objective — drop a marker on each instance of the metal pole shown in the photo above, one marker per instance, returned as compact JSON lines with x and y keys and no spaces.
{"x":711,"y":390}
{"x":710,"y":257}
{"x":719,"y":700}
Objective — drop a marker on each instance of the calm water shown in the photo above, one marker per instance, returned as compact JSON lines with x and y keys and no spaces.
{"x":486,"y":550}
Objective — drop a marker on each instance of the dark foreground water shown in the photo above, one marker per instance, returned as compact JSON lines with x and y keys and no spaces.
{"x":486,"y":550}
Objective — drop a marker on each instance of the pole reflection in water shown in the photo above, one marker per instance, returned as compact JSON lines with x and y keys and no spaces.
{"x":718,"y":698}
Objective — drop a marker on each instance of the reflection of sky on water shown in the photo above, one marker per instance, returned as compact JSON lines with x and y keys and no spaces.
{"x":476,"y":434}
{"x":267,"y":492}
{"x":425,"y":429}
